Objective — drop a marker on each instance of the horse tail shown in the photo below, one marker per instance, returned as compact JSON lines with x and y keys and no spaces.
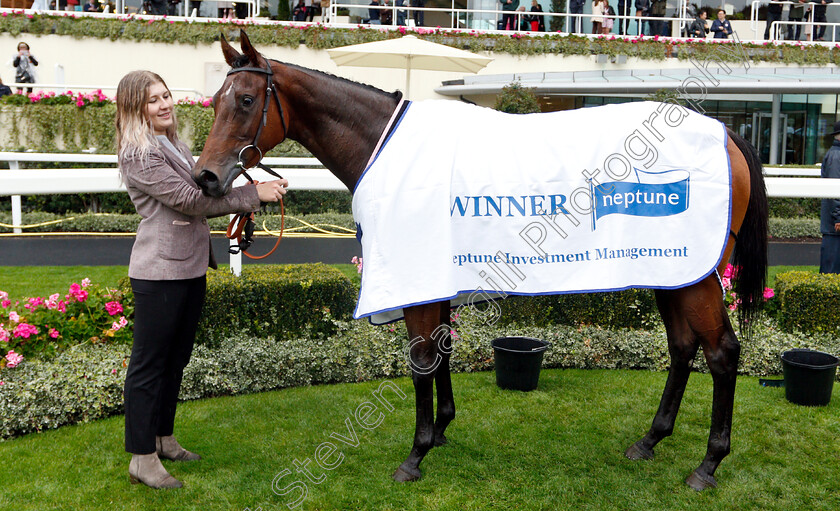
{"x":750,"y":255}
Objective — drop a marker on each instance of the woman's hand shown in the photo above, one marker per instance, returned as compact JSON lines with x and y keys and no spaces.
{"x":272,"y":191}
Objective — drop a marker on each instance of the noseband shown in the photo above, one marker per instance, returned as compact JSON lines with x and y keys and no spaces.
{"x":270,"y":91}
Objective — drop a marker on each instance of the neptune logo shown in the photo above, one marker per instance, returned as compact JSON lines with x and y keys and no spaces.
{"x":654,"y":194}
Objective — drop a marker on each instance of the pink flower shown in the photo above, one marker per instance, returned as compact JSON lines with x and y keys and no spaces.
{"x":4,"y":295}
{"x":5,"y":304}
{"x":113,"y":308}
{"x":116,"y":325}
{"x":114,"y":371}
{"x":25,"y":330}
{"x":13,"y":359}
{"x":4,"y":335}
{"x":727,"y":282}
{"x":13,"y":317}
{"x":85,"y":282}
{"x":74,"y":288}
{"x":62,"y":306}
{"x":54,"y":333}
{"x":769,"y":293}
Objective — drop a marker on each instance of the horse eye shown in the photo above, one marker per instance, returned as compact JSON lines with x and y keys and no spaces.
{"x":247,"y":101}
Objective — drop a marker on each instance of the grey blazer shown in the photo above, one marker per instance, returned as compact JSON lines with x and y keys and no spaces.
{"x":173,"y":238}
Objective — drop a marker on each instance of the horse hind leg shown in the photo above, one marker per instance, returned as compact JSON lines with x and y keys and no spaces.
{"x":422,"y":321}
{"x":722,"y":351}
{"x":443,"y":380}
{"x":697,"y":313}
{"x":682,"y":347}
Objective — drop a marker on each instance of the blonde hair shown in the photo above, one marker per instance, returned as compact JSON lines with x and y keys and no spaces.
{"x":135,"y":135}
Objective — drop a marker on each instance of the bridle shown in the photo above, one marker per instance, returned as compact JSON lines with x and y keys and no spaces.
{"x":244,"y":222}
{"x":270,"y":91}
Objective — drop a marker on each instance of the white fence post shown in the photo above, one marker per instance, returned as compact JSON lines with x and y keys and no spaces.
{"x":235,"y":259}
{"x":17,"y":217}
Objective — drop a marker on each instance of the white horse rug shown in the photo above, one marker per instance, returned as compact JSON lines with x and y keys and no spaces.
{"x":465,"y":203}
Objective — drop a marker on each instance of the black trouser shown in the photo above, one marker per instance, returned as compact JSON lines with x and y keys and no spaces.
{"x":166,"y":314}
{"x":771,"y":17}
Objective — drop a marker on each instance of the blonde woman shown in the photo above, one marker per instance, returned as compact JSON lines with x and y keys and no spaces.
{"x":167,"y":269}
{"x":597,"y":13}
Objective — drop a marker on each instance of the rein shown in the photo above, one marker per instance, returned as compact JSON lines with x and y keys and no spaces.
{"x":244,"y":222}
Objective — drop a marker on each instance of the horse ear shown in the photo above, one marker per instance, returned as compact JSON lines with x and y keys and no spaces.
{"x":227,"y":50}
{"x":249,"y":50}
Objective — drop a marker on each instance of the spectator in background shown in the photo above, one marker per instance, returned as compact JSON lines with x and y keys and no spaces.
{"x":657,"y":12}
{"x":386,"y":16}
{"x":774,"y":13}
{"x":623,"y":10}
{"x":90,"y":6}
{"x":830,"y":210}
{"x":797,"y":11}
{"x":509,"y":17}
{"x":419,"y":19}
{"x":400,"y":12}
{"x":299,"y":12}
{"x":536,"y":20}
{"x":642,"y":12}
{"x":374,"y":14}
{"x":609,"y":18}
{"x":721,"y":26}
{"x":576,"y":7}
{"x":698,"y":28}
{"x":71,"y":5}
{"x":24,"y":63}
{"x":819,"y":17}
{"x":597,"y":16}
{"x":5,"y":90}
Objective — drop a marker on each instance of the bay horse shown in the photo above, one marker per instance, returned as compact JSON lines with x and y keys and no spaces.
{"x":262,"y":102}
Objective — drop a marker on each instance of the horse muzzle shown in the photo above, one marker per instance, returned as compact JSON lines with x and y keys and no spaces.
{"x":210,"y":184}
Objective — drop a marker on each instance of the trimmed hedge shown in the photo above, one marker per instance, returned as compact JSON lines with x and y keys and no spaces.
{"x":85,"y":383}
{"x":633,"y":308}
{"x":809,"y":301}
{"x":797,"y":227}
{"x":277,"y":301}
{"x":793,"y":207}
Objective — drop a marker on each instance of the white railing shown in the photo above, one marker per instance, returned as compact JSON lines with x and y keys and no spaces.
{"x":778,"y":25}
{"x":302,"y":173}
{"x":486,"y":19}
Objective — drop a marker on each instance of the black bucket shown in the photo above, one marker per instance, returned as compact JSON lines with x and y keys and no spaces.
{"x":518,"y":362}
{"x":809,"y":376}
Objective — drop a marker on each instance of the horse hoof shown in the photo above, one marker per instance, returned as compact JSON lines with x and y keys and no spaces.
{"x":405,"y":474}
{"x":440,"y":440}
{"x":700,"y":482}
{"x":637,"y":452}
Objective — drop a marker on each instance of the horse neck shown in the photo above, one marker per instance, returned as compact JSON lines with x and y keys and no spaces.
{"x":338,"y":121}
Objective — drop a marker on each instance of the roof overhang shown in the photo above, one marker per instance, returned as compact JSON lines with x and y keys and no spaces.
{"x":721,"y":80}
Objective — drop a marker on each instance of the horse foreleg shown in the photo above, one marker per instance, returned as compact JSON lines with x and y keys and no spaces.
{"x":443,"y":381}
{"x":682,"y":346}
{"x":722,"y":351}
{"x":421,"y":322}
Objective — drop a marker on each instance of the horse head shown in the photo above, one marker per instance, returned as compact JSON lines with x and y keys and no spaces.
{"x":249,"y":120}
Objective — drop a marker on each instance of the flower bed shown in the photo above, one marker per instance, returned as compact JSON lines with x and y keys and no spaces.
{"x":43,"y":327}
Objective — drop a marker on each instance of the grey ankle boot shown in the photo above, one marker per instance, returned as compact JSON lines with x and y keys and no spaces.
{"x":168,"y":448}
{"x":147,"y":469}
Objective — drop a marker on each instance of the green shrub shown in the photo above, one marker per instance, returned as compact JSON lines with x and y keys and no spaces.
{"x":85,"y":383}
{"x":278,"y":301}
{"x":798,"y":227}
{"x":307,"y":202}
{"x":633,"y":308}
{"x":808,"y":301}
{"x":793,"y":207}
{"x":516,"y":99}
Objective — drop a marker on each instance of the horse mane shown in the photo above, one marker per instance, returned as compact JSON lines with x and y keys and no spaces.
{"x":243,"y":61}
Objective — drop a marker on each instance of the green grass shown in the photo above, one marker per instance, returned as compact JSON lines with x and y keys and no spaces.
{"x":28,"y":281}
{"x":775,"y":270}
{"x":560,"y":447}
